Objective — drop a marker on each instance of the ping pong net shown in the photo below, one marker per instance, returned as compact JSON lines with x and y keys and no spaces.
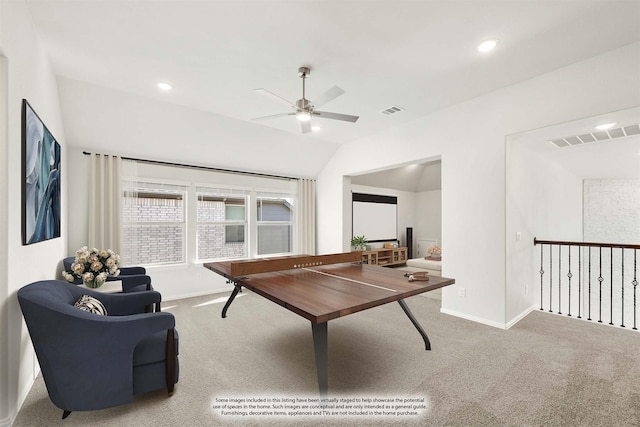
{"x":266,"y":265}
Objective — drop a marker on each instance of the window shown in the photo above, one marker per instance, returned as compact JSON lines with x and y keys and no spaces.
{"x":234,"y":212}
{"x":274,"y":224}
{"x":221,"y":224}
{"x":181,"y":215}
{"x":153,"y":221}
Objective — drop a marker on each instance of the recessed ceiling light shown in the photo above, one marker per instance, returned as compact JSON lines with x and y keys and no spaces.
{"x":164,"y":86}
{"x":315,"y":128}
{"x":487,"y":45}
{"x":605,"y":126}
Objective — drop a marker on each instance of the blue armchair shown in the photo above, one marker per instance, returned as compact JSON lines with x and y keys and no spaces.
{"x":134,"y":279}
{"x":89,"y":361}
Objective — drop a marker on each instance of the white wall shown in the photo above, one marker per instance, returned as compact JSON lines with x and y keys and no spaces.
{"x":28,"y":75}
{"x":4,"y":249}
{"x":470,"y":137}
{"x":543,"y":201}
{"x":428,"y":217}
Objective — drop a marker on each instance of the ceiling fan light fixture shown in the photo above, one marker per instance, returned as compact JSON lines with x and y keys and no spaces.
{"x":303,"y":116}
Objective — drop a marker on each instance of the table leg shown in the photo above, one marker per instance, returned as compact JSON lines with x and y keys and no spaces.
{"x":408,"y":312}
{"x":236,"y":289}
{"x":320,"y":348}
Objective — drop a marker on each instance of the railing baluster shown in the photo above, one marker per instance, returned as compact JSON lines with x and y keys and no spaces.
{"x":589,"y":315}
{"x":569,"y":275}
{"x":635,"y":285}
{"x":541,"y":275}
{"x":559,"y":279}
{"x":611,"y":287}
{"x":600,"y":279}
{"x":579,"y":282}
{"x":550,"y":277}
{"x":622,"y":287}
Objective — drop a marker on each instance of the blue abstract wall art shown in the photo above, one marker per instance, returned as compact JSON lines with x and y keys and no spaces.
{"x":41,"y":179}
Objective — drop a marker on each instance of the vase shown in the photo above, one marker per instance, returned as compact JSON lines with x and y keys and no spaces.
{"x":93,"y":283}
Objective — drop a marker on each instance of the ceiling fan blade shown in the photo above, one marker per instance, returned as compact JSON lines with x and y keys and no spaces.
{"x":328,"y":96}
{"x":273,"y":116}
{"x":305,"y":126}
{"x":271,"y":94}
{"x":335,"y":116}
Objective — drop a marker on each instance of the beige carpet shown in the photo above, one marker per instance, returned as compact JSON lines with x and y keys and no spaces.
{"x":545,"y":371}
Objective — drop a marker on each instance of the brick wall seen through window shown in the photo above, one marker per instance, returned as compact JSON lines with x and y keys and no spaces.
{"x":153,"y":227}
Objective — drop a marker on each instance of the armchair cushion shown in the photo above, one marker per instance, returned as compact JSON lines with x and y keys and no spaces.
{"x":152,"y":349}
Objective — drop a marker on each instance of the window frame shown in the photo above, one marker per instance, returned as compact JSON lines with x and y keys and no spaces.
{"x":146,"y":187}
{"x":234,"y":194}
{"x":259,"y":197}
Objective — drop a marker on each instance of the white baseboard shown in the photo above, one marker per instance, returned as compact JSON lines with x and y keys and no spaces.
{"x":197,"y":294}
{"x":520,"y":316}
{"x":21,"y":400}
{"x":489,"y":322}
{"x":474,"y":318}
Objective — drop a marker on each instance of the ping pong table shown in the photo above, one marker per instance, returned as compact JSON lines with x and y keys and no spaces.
{"x":324,"y":287}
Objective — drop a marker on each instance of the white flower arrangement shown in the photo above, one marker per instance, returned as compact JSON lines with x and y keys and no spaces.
{"x":435,"y":250}
{"x":93,"y":266}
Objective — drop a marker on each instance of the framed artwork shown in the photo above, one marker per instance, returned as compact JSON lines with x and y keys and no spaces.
{"x":40,"y":179}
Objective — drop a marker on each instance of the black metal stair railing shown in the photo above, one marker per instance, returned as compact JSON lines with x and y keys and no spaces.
{"x":607,"y":260}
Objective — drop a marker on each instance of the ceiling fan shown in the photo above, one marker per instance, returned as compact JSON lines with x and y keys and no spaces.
{"x":304,"y":109}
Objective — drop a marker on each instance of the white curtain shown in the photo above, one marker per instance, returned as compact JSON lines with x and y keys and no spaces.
{"x":306,"y":215}
{"x":105,"y":202}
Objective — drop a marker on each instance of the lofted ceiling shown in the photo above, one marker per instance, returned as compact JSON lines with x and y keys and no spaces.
{"x":415,"y":177}
{"x":418,"y":55}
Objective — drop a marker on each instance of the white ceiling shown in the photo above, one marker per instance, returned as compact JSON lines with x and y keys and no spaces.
{"x":612,"y":158}
{"x":420,"y":55}
{"x":414,"y":177}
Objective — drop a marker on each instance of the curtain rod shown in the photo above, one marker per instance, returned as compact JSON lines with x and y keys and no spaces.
{"x":182,"y":165}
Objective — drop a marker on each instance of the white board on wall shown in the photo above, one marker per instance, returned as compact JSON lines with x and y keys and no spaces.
{"x":375,"y":217}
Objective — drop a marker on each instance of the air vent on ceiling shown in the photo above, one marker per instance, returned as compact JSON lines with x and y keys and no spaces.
{"x":602,"y":135}
{"x":394,"y":109}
